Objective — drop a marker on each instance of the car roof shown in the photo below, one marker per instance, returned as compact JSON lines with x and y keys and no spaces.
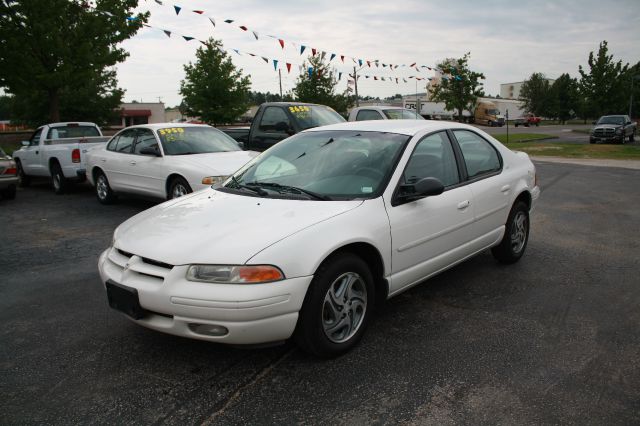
{"x":156,"y":126}
{"x":378,"y":107}
{"x":402,"y":127}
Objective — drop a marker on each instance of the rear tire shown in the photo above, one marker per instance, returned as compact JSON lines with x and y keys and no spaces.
{"x":489,"y":123}
{"x":59,"y":182}
{"x":516,"y":235}
{"x":179,"y":187}
{"x":103,"y":191}
{"x":24,"y":179}
{"x":337,"y":307}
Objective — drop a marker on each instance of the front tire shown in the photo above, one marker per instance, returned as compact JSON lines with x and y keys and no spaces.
{"x":60,"y":183}
{"x":489,"y":123}
{"x":631,"y":137}
{"x":103,"y":191}
{"x":337,"y":307}
{"x":516,"y":235}
{"x":178,"y":188}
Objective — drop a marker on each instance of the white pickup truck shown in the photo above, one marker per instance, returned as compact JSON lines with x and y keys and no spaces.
{"x":57,"y":150}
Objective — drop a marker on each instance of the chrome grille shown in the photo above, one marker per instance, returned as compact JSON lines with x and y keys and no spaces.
{"x":603,"y":132}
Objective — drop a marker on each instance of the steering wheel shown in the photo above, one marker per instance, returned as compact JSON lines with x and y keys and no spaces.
{"x":370,"y":172}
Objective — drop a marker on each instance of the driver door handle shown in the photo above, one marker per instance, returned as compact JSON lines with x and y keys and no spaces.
{"x":505,"y":188}
{"x":132,"y":162}
{"x":463,"y":205}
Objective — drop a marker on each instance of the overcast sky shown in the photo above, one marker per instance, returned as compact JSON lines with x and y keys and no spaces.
{"x":508,"y":41}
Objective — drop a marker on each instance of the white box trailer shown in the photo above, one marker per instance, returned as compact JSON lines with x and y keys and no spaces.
{"x":438,"y":110}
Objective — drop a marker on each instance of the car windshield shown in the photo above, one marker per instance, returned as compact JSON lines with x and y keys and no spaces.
{"x":309,"y":116}
{"x":195,"y":140}
{"x":611,"y":120}
{"x":402,"y":114}
{"x":493,"y":112}
{"x":324,"y":165}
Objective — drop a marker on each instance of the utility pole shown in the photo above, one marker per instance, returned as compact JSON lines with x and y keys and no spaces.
{"x":635,"y":77}
{"x":355,"y":84}
{"x":417,"y":100}
{"x":280,"y":80}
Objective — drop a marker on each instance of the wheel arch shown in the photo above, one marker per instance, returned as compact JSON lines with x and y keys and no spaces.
{"x":167,"y":185}
{"x":525,"y":197}
{"x":372,"y":257}
{"x":51,"y":162}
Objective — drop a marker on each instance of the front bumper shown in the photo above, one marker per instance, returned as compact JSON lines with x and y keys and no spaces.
{"x":605,"y":139}
{"x":252,"y":314}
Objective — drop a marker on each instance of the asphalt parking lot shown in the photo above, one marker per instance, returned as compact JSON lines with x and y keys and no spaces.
{"x":552,"y":339}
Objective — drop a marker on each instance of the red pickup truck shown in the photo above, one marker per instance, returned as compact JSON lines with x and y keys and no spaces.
{"x":527,"y":120}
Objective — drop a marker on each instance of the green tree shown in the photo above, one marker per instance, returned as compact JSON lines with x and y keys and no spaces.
{"x":319,"y":85}
{"x":604,"y":85}
{"x":535,"y":94}
{"x":634,"y":73}
{"x":213,"y":89}
{"x":564,"y":98}
{"x":461,"y":88}
{"x":56,"y":56}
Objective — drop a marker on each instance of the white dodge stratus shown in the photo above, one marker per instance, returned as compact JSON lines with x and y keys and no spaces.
{"x":306,"y":238}
{"x":164,"y":160}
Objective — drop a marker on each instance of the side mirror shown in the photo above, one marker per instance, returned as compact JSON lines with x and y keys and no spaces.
{"x":25,"y":143}
{"x":240,"y":144}
{"x":426,"y":187}
{"x":147,"y":150}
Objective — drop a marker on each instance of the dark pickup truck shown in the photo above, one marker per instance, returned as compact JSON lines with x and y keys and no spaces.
{"x":613,"y":128}
{"x":275,"y":121}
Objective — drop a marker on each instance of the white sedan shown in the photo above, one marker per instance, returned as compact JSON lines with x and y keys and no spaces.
{"x":306,"y":238}
{"x":165,"y":160}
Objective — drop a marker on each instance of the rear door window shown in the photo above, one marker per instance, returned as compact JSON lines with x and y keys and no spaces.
{"x":368,"y":114}
{"x":480,"y":157}
{"x":123,"y":142}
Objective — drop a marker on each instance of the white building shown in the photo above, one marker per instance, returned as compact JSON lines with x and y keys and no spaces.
{"x":512,"y":90}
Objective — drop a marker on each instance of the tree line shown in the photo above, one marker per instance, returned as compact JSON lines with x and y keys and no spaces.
{"x":604,"y":88}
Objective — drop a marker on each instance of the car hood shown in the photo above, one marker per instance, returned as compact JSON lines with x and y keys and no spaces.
{"x":215,"y":227}
{"x":607,"y":126}
{"x":214,"y":163}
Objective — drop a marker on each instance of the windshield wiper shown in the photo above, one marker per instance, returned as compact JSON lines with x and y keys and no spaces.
{"x":292,"y":189}
{"x":253,"y":189}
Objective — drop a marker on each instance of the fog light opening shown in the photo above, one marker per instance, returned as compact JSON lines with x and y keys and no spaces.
{"x":209,"y":329}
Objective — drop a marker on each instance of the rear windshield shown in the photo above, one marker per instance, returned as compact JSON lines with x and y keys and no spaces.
{"x":402,"y":114}
{"x":72,"y":131}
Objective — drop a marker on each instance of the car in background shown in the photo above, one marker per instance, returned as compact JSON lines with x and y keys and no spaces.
{"x":305,"y":239}
{"x":613,"y":128}
{"x":527,"y":120}
{"x":8,"y":176}
{"x":165,"y":160}
{"x":383,"y":113}
{"x":57,"y":151}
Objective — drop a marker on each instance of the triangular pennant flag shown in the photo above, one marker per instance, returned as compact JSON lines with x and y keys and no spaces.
{"x":333,"y":55}
{"x":339,"y":75}
{"x":412,"y":65}
{"x":281,"y":41}
{"x":228,"y":21}
{"x":265,"y":59}
{"x":288,"y":67}
{"x":236,"y":50}
{"x":313,"y":51}
{"x":252,"y":54}
{"x":382,"y":78}
{"x":243,"y":28}
{"x":369,"y":64}
{"x":375,"y":78}
{"x":255,"y":34}
{"x":275,"y":64}
{"x":199,"y":12}
{"x":310,"y":70}
{"x":187,"y":38}
{"x":396,"y":80}
{"x":159,"y":2}
{"x":366,"y":76}
{"x":213,"y":21}
{"x":323,"y":55}
{"x":342,"y":58}
{"x":167,"y":32}
{"x":384,"y":65}
{"x":177,"y":8}
{"x":360,"y":62}
{"x":405,"y":80}
{"x":302,"y":49}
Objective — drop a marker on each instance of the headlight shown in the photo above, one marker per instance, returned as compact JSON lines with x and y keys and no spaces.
{"x":234,"y":274}
{"x":212,"y":180}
